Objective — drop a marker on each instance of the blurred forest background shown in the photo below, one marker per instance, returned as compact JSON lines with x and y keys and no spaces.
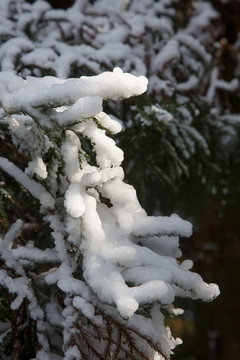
{"x":189,"y":165}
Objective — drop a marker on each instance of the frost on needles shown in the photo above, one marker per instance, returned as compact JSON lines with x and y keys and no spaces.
{"x":116,"y":267}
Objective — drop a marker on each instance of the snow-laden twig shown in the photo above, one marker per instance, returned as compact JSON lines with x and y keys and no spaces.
{"x":36,"y":189}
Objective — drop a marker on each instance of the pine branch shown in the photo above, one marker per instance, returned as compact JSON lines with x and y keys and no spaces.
{"x":128,"y":332}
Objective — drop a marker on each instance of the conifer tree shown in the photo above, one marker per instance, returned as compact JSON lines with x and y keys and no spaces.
{"x":97,"y":285}
{"x":178,"y":45}
{"x":84,"y":272}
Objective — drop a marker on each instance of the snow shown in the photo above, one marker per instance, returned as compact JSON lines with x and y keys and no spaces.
{"x":216,"y":83}
{"x":86,"y":308}
{"x":167,"y":54}
{"x":71,"y":90}
{"x":9,"y":52}
{"x":99,"y":229}
{"x":152,"y":225}
{"x":83,"y":108}
{"x":72,"y":353}
{"x":35,"y":255}
{"x":36,"y":189}
{"x":74,"y":202}
{"x":12,"y":233}
{"x":193,"y":44}
{"x":38,"y":167}
{"x":108,"y":154}
{"x":69,"y":150}
{"x":20,"y":286}
{"x":155,"y":290}
{"x":113,"y":126}
{"x":188,"y":85}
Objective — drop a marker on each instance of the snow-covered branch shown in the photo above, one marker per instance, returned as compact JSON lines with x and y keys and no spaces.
{"x":105,"y":252}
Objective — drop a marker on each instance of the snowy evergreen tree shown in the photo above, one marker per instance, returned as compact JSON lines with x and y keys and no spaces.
{"x":99,"y":285}
{"x":177,"y":45}
{"x":84,"y":272}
